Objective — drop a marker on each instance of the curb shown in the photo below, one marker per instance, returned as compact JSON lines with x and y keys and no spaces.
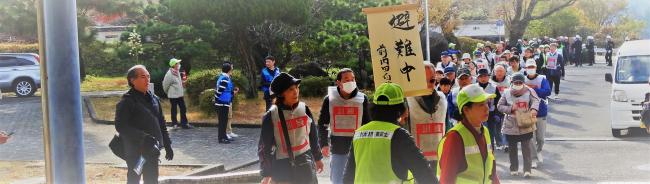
{"x":238,"y":177}
{"x":253,"y":162}
{"x":208,"y":170}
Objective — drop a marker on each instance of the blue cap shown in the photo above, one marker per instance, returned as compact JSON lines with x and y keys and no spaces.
{"x":445,"y":53}
{"x":450,"y":69}
{"x":477,"y":53}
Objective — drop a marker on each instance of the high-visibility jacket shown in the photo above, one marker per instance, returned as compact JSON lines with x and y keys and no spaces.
{"x":372,"y":153}
{"x":478,"y":169}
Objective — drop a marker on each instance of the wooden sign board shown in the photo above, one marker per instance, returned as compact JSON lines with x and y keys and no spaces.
{"x":395,"y":48}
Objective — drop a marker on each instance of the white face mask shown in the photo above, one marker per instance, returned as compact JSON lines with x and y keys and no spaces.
{"x":517,"y":87}
{"x":348,"y":87}
{"x":531,"y":71}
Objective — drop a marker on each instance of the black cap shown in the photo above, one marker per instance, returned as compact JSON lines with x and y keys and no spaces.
{"x":518,"y":77}
{"x":483,"y":71}
{"x":282,"y":82}
{"x":463,"y":71}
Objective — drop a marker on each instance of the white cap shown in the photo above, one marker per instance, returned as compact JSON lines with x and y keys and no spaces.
{"x":506,"y":52}
{"x":578,"y":36}
{"x":466,"y":56}
{"x":590,"y":37}
{"x":531,"y":62}
{"x":609,"y":37}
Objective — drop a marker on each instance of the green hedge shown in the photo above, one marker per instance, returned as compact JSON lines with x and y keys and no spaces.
{"x":206,"y":103}
{"x":468,"y":45}
{"x":199,"y":81}
{"x":314,"y":86}
{"x":19,"y":48}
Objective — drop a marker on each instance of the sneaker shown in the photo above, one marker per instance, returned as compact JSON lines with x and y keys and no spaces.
{"x":563,"y":78}
{"x":505,"y":149}
{"x":540,"y":159}
{"x":527,"y":174}
{"x":534,"y":164}
{"x":224,"y":141}
{"x":514,"y":173}
{"x":188,"y":126}
{"x":233,"y":135}
{"x":230,"y":138}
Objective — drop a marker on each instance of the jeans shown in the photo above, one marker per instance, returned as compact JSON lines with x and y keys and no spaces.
{"x":494,"y":124}
{"x":180,"y":102}
{"x":268,"y":100}
{"x":337,"y":165}
{"x":222,"y":115}
{"x":149,"y":171}
{"x":554,"y":82}
{"x":525,"y":151}
{"x":538,"y":137}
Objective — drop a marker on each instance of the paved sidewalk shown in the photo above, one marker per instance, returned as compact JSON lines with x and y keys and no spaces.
{"x":23,"y":116}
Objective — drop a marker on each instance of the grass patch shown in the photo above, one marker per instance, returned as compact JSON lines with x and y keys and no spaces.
{"x":246,"y":112}
{"x":93,"y":83}
{"x":12,"y":171}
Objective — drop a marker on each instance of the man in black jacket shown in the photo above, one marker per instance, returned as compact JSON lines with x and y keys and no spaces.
{"x":577,"y":51}
{"x":609,"y":47}
{"x":141,"y":125}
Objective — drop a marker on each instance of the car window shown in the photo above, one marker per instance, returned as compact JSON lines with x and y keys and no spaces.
{"x":24,"y":62}
{"x":633,"y":69}
{"x":8,"y":61}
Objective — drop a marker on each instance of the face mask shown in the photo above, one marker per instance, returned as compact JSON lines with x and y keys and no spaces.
{"x":531,"y":71}
{"x":348,"y":87}
{"x":517,"y":87}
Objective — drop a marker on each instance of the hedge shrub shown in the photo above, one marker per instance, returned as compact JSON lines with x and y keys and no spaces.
{"x":19,"y":48}
{"x":468,"y":45}
{"x":307,"y":69}
{"x":199,"y":81}
{"x":314,"y":86}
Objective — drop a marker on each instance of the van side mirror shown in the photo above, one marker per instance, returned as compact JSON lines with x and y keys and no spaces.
{"x":608,"y":77}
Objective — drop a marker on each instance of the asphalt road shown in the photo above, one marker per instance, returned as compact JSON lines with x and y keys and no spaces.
{"x":580,"y":147}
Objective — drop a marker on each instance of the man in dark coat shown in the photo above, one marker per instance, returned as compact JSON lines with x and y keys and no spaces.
{"x":577,"y":51}
{"x":609,"y":47}
{"x":591,"y":53}
{"x":141,"y":126}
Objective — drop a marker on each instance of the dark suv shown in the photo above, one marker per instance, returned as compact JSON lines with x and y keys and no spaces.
{"x":20,"y":73}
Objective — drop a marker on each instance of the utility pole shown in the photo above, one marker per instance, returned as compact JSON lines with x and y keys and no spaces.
{"x":62,"y":114}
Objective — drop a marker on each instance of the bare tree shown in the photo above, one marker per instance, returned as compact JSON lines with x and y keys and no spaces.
{"x":519,"y":13}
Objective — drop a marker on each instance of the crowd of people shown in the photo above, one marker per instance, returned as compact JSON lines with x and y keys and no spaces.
{"x":488,"y":99}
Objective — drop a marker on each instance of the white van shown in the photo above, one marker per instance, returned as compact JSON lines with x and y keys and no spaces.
{"x":629,"y":85}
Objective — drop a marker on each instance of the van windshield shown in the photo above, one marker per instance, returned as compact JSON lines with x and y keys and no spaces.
{"x":633,"y":69}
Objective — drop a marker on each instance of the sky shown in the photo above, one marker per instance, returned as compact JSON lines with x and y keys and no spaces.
{"x":639,"y":9}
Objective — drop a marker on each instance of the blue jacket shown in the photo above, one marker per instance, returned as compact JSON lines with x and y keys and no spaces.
{"x":223,"y":92}
{"x":543,"y":92}
{"x":267,"y":78}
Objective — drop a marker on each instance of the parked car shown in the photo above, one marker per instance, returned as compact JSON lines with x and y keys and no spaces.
{"x":629,"y":80}
{"x":20,"y":73}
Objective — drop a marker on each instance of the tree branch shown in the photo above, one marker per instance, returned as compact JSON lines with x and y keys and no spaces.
{"x":518,"y":7}
{"x":553,"y":10}
{"x":530,"y":9}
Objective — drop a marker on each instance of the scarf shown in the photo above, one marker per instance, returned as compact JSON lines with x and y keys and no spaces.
{"x":174,"y":71}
